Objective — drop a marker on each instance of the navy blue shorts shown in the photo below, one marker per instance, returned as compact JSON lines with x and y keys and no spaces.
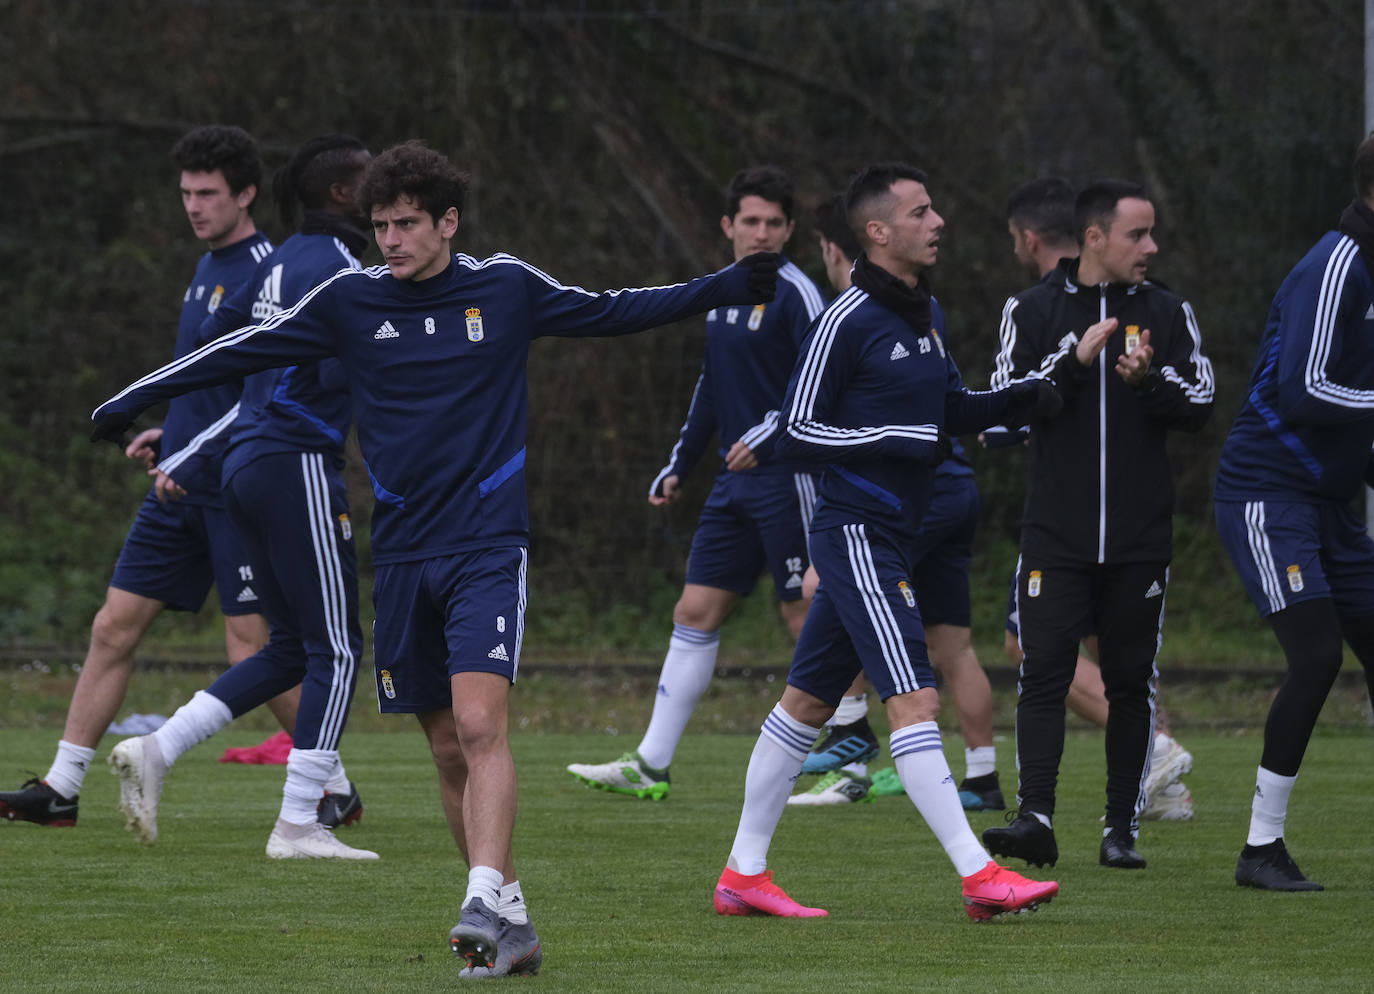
{"x":751,"y":520}
{"x":942,"y":553}
{"x":1289,"y":551}
{"x":463,"y":613}
{"x":176,"y":551}
{"x":864,"y":616}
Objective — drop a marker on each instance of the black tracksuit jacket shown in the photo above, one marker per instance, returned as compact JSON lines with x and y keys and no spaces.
{"x":1099,"y":487}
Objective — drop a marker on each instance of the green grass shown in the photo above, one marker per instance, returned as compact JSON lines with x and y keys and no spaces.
{"x":620,"y":889}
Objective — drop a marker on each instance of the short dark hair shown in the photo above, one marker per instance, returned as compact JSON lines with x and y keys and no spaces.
{"x":1096,"y":203}
{"x":833,"y":224}
{"x":223,"y":147}
{"x":314,"y":167}
{"x":413,"y":169}
{"x":768,"y":182}
{"x":1044,"y":206}
{"x":1364,"y":168}
{"x":871,"y":184}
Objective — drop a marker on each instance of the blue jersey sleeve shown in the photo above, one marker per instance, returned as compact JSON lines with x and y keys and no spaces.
{"x":1326,"y":360}
{"x":569,"y":312}
{"x":696,"y":432}
{"x":299,"y":333}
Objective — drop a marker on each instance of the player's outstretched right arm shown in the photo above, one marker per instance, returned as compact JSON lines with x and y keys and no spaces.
{"x":297,"y":334}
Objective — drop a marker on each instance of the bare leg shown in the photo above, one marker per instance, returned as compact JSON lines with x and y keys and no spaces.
{"x":951,"y":651}
{"x":118,"y":628}
{"x":489,"y":795}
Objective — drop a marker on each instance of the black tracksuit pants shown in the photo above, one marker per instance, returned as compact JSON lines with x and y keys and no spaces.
{"x":1059,"y":604}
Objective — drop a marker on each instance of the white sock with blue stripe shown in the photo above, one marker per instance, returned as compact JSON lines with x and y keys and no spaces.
{"x":773,"y":769}
{"x":307,"y":770}
{"x":687,"y":672}
{"x":920,"y":759}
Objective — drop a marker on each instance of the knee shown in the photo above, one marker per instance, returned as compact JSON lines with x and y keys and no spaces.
{"x":114,"y":632}
{"x":448,"y":755}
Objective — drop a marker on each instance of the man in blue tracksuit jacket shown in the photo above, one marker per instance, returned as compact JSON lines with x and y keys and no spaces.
{"x":1297,"y":457}
{"x":873,"y":400}
{"x":435,"y":346}
{"x":756,"y":514}
{"x":173,"y":554}
{"x":285,"y":493}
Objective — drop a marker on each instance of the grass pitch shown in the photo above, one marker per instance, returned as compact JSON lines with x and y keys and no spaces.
{"x":620,"y":889}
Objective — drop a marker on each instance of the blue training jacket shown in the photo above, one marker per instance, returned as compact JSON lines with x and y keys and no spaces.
{"x":302,"y":408}
{"x":1312,"y":389}
{"x":219,"y":275}
{"x":750,"y":354}
{"x":436,"y":369}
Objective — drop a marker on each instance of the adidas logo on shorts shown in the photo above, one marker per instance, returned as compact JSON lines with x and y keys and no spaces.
{"x":1154,"y":591}
{"x":387,"y":330}
{"x":246,"y":595}
{"x":899,"y":351}
{"x":499,"y":653}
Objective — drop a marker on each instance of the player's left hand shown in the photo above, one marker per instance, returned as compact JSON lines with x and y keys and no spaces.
{"x":740,"y":457}
{"x":1033,"y":400}
{"x":762,"y":269}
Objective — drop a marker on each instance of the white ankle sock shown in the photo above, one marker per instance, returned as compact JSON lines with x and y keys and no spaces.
{"x":194,"y":722}
{"x":306,"y":772}
{"x":980,"y":761}
{"x":687,"y":671}
{"x":920,"y":760}
{"x":484,"y":882}
{"x":69,"y":766}
{"x":338,"y":780}
{"x":850,"y":710}
{"x":512,"y":907}
{"x":773,"y":769}
{"x":1269,"y":808}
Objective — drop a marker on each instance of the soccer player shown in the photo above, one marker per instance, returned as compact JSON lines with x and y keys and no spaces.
{"x":940,"y":561}
{"x":173,"y":552}
{"x":284,"y":486}
{"x":757,"y":511}
{"x":434,"y":348}
{"x":1296,"y":458}
{"x":1040,"y":222}
{"x":873,"y":399}
{"x":1096,"y":534}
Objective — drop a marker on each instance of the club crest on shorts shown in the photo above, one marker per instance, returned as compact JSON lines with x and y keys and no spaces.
{"x":345,"y":527}
{"x":474,"y":323}
{"x":907,"y":595}
{"x":1295,"y":579}
{"x":756,"y":317}
{"x":1132,"y":337}
{"x":1033,"y":584}
{"x":388,"y":687}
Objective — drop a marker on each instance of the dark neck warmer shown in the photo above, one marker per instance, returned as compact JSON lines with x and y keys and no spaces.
{"x":1357,"y":221}
{"x":345,"y":229}
{"x":911,"y":303}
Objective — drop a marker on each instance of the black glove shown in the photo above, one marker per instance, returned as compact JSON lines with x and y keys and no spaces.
{"x":111,"y":428}
{"x":762,"y":268}
{"x":1032,"y":400}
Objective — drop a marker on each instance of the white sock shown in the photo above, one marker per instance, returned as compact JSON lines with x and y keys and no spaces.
{"x":338,"y":780}
{"x":1042,"y":819}
{"x":858,"y":769}
{"x":194,"y":722}
{"x":850,"y":710}
{"x":920,"y":760}
{"x":687,"y":671}
{"x":484,"y":882}
{"x":306,"y":772}
{"x":512,"y":907}
{"x":980,"y":761}
{"x":69,"y":766}
{"x":773,"y":769}
{"x":1269,"y":809}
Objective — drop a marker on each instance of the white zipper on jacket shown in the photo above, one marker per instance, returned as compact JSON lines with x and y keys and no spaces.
{"x":1102,"y":434}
